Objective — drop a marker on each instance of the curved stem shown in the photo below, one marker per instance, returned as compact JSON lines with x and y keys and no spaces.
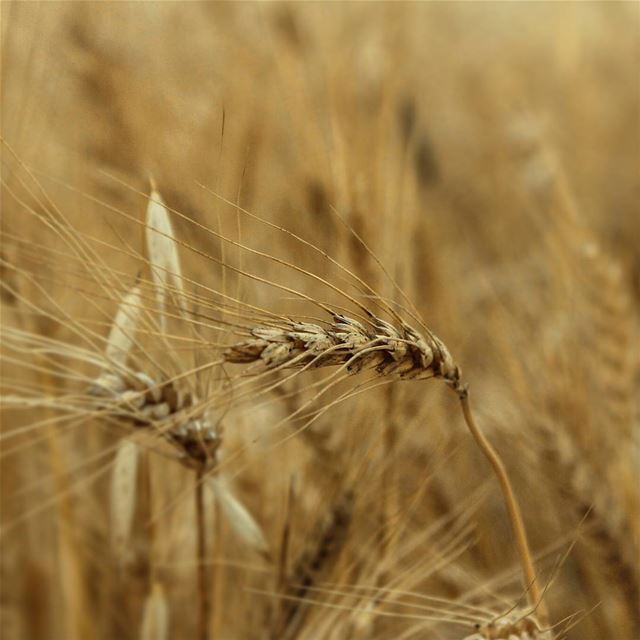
{"x":513,"y":508}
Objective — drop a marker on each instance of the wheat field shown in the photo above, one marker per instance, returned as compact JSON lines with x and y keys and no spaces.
{"x":254,"y":256}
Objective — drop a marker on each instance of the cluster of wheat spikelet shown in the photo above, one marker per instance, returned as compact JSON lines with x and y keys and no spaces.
{"x":513,"y":627}
{"x":215,"y":420}
{"x":122,"y":394}
{"x":389,"y":351}
{"x":146,"y":402}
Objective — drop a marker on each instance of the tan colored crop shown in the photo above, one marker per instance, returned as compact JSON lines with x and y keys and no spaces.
{"x":389,"y":351}
{"x":138,"y":398}
{"x":176,"y":414}
{"x":515,"y":626}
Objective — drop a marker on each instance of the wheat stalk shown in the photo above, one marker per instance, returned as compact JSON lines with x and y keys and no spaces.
{"x":155,"y":620}
{"x":451,"y":220}
{"x":390,"y":351}
{"x":375,"y":345}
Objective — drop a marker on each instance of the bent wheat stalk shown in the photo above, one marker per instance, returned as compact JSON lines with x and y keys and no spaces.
{"x":390,"y":351}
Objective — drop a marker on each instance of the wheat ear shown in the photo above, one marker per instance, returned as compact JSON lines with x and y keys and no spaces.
{"x":514,"y":626}
{"x":174,"y":413}
{"x":389,"y":351}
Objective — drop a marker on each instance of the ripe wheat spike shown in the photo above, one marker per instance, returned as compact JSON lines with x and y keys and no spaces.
{"x":260,"y":265}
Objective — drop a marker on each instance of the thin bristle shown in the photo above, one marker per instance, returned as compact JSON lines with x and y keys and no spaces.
{"x":265,"y":267}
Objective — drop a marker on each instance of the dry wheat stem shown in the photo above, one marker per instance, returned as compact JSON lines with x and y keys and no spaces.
{"x":513,"y":507}
{"x":155,"y":620}
{"x":201,"y":554}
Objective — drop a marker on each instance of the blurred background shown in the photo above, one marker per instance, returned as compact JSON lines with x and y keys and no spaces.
{"x":487,"y":153}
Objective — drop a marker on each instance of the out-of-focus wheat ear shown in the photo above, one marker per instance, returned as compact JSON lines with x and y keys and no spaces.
{"x":162,"y":251}
{"x":123,"y":496}
{"x":363,"y":620}
{"x":155,"y":619}
{"x":321,"y":552}
{"x":238,"y":516}
{"x":121,"y":339}
{"x":123,"y":329}
{"x":517,"y":625}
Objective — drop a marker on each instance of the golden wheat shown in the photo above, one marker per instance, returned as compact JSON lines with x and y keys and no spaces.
{"x":214,"y":416}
